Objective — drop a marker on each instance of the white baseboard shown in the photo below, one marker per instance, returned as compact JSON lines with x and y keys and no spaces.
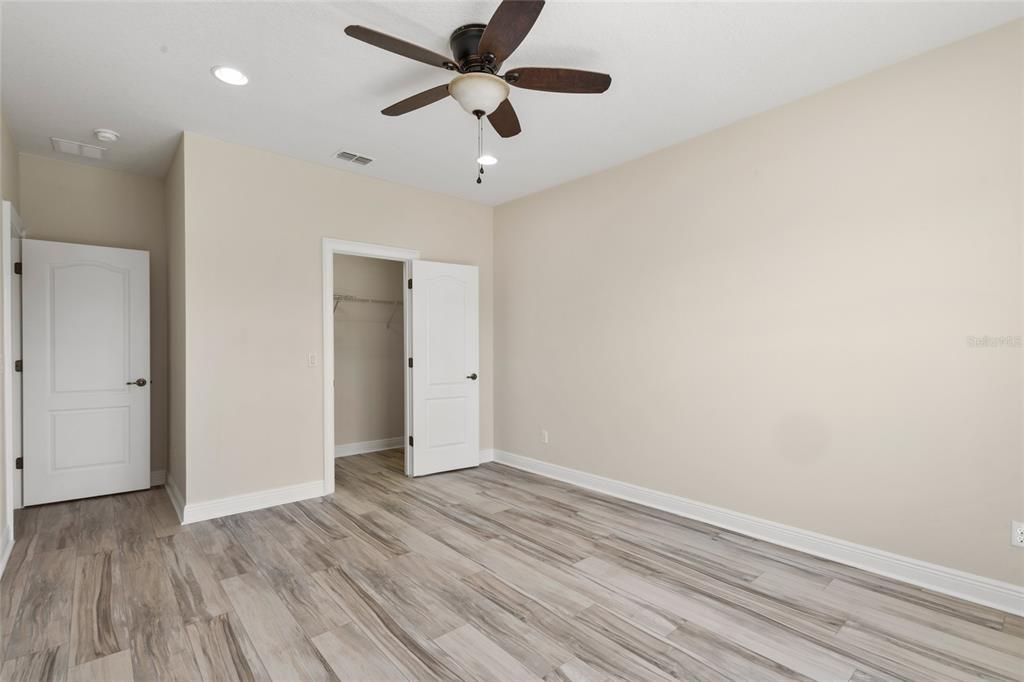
{"x":363,"y":447}
{"x":226,"y":506}
{"x":157,"y":478}
{"x":487,"y":455}
{"x":6,"y":546}
{"x":974,"y":588}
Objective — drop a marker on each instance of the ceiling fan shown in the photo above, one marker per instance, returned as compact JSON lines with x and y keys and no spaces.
{"x":478,"y":51}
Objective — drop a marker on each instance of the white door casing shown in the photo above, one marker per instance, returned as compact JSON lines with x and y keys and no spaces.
{"x":85,"y":338}
{"x":446,"y":367}
{"x":15,"y":322}
{"x":10,"y":235}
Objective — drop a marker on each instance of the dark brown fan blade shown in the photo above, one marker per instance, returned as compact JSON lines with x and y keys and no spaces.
{"x":504,"y":120}
{"x":508,"y":26}
{"x":559,"y":80}
{"x":418,"y":100}
{"x":399,"y":46}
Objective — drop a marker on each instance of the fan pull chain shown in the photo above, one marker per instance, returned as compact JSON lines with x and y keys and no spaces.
{"x":479,"y":148}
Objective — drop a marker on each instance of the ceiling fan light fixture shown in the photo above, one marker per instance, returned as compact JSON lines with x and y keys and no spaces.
{"x":478,"y":92}
{"x":486,"y":160}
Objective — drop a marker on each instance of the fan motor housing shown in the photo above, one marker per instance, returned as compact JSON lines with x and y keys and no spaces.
{"x":465,"y":44}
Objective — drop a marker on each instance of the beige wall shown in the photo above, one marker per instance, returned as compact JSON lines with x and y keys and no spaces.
{"x":774,"y":317}
{"x":253,"y":232}
{"x":9,"y":180}
{"x":369,"y":372}
{"x":69,"y":202}
{"x":6,"y":154}
{"x":174,"y":220}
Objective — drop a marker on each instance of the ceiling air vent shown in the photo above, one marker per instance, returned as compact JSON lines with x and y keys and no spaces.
{"x":351,"y":157}
{"x":89,"y":151}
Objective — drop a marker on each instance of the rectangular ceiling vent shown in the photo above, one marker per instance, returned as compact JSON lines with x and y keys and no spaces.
{"x":352,"y":157}
{"x":89,"y":151}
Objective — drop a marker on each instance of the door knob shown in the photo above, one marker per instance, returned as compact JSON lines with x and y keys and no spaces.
{"x":472,"y":376}
{"x":137,"y":382}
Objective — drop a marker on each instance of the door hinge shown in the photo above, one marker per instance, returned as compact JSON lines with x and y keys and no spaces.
{"x":17,"y":365}
{"x":410,"y":441}
{"x":19,"y":463}
{"x":410,"y":282}
{"x":410,"y":362}
{"x":17,"y":270}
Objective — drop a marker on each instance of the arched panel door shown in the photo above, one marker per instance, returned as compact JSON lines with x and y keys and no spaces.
{"x":446,"y":367}
{"x":85,"y":352}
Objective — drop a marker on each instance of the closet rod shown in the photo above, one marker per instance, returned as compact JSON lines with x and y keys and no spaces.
{"x":348,"y":298}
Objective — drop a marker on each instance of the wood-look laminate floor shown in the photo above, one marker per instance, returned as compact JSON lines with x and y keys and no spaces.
{"x":488,"y":573}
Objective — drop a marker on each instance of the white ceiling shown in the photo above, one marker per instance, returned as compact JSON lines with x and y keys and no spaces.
{"x":678,"y":70}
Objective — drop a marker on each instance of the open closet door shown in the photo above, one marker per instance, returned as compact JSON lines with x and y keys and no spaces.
{"x":446,"y":357}
{"x":86,"y":370}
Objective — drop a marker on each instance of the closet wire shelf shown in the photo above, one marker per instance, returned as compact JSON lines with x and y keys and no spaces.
{"x":349,"y":298}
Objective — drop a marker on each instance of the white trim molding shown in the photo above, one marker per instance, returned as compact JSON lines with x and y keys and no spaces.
{"x":486,"y":455}
{"x":6,"y":546}
{"x":226,"y":506}
{"x":329,"y":248}
{"x":367,"y":446}
{"x":973,"y":588}
{"x":158,"y":477}
{"x":11,"y":228}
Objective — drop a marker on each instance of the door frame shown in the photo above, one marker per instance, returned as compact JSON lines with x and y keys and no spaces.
{"x":331,"y":247}
{"x":11,"y":229}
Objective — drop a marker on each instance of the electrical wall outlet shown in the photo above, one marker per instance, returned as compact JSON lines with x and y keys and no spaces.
{"x":311,"y":359}
{"x":544,"y":436}
{"x":1017,"y":539}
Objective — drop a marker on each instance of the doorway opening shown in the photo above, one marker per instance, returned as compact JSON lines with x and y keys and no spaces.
{"x":369,"y":355}
{"x":366,"y":343}
{"x":441,"y":361}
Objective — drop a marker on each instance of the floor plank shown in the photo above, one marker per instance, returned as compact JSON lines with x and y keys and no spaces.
{"x":49,"y":665}
{"x":43,"y":620}
{"x":305,"y":545}
{"x":533,"y":649}
{"x":159,"y":645}
{"x":58,"y":525}
{"x":575,"y":670}
{"x":225,"y":555}
{"x":196,"y":588}
{"x":590,"y":647}
{"x":282,"y":646}
{"x":405,"y":649}
{"x":482,"y":657}
{"x":352,"y":656}
{"x":97,"y":526}
{"x":759,"y":634}
{"x":116,"y":667}
{"x":99,"y":625}
{"x":224,"y":651}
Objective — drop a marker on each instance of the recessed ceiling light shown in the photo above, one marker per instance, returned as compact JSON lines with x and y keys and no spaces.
{"x":229,"y":75}
{"x":487,"y":160}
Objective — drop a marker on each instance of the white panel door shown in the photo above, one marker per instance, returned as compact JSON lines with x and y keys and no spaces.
{"x":85,"y":333}
{"x":446,"y":366}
